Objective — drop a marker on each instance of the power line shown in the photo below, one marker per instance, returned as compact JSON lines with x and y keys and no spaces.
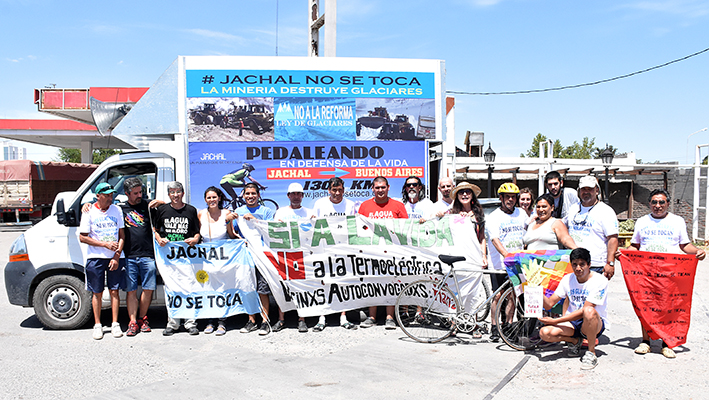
{"x":581,"y":84}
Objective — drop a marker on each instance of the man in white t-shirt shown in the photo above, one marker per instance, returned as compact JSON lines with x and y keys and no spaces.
{"x":565,"y":199}
{"x":445,"y":187}
{"x":414,"y":198}
{"x":585,"y":317}
{"x":333,"y":205}
{"x":594,"y":226}
{"x":504,"y":229}
{"x":661,"y":232}
{"x":292,"y":212}
{"x":102,"y":230}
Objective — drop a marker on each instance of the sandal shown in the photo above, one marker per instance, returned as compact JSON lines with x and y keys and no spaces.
{"x":209,"y":329}
{"x":319,"y":327}
{"x":477,"y":334}
{"x":221,"y":330}
{"x":349,"y":325}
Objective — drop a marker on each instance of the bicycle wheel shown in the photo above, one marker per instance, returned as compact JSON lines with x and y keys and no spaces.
{"x":426,"y":313}
{"x":516,"y":330}
{"x":482,"y":296}
{"x":270,"y":204}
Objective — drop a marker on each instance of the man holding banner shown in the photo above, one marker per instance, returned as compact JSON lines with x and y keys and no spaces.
{"x":661,"y":232}
{"x":585,"y":317}
{"x":381,"y":206}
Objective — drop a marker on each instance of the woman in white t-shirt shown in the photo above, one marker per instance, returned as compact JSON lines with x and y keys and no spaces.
{"x":215,"y":224}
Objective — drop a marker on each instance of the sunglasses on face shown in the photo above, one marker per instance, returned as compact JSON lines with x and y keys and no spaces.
{"x":466,"y":191}
{"x":412,"y":184}
{"x":660,"y":202}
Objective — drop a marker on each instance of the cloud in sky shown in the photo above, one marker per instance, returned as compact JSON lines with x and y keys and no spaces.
{"x":685,"y":8}
{"x":483,"y":3}
{"x":215,"y":35}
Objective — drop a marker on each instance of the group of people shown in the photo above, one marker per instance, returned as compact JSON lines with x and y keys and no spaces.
{"x":119,"y":237}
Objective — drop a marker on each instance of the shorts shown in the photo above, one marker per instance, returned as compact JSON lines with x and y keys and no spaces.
{"x":497,"y":280}
{"x":577,"y":328}
{"x":140,"y":267}
{"x":98,"y":275}
{"x":598,"y":270}
{"x":261,"y":284}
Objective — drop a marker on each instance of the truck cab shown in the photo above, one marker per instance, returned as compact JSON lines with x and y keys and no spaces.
{"x":46,"y":266}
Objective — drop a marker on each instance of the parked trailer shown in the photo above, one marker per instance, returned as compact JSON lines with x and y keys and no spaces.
{"x":28,"y":188}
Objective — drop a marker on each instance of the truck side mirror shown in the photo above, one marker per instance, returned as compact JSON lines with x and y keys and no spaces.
{"x":61,"y":214}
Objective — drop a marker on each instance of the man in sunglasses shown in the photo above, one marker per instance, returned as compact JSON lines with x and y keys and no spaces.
{"x":594,"y":226}
{"x":661,"y":232}
{"x":414,"y":198}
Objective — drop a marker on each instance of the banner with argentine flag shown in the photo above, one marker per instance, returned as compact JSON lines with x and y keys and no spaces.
{"x":210,"y":280}
{"x":543,"y":268}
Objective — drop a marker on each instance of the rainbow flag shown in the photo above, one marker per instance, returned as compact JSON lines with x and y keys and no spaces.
{"x":543,"y":268}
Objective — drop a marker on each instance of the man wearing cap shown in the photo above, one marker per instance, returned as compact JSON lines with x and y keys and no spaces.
{"x":445,"y":186}
{"x":414,"y":198}
{"x":565,"y":199}
{"x":102,"y":230}
{"x":333,"y":205}
{"x":290,"y":213}
{"x":381,"y":206}
{"x":594,"y":226}
{"x":177,"y":221}
{"x":504,"y":229}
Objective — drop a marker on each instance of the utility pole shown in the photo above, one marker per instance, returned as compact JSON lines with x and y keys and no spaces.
{"x":317,"y":20}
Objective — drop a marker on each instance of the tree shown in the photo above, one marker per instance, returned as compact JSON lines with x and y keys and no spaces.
{"x":584,"y":150}
{"x":534,"y":150}
{"x":74,"y":155}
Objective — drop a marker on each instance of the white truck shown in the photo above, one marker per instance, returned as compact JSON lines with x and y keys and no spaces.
{"x":314,"y":104}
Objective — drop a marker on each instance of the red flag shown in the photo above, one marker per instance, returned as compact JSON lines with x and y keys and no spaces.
{"x":660,"y":287}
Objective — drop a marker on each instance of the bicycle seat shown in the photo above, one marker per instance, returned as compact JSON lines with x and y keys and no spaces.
{"x":450,"y":259}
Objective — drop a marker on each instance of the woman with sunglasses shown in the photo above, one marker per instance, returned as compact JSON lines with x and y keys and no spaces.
{"x":661,"y":232}
{"x":546,"y":232}
{"x":465,"y":203}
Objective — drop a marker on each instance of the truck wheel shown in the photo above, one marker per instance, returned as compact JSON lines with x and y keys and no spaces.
{"x":61,"y":302}
{"x":255,"y":128}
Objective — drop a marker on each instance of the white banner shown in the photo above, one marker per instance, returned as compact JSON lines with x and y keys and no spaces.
{"x":333,"y":264}
{"x":211,"y":280}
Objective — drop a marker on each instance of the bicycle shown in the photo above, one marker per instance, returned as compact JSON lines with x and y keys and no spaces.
{"x":428,"y":311}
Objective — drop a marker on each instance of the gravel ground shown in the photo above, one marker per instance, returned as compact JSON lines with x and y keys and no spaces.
{"x":337,"y":363}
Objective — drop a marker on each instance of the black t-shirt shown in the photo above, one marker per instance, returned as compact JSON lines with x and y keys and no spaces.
{"x":176,"y":225}
{"x":138,"y":230}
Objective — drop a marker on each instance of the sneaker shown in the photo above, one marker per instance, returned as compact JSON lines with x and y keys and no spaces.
{"x":265,"y":329}
{"x":144,"y":326}
{"x":278,"y":326}
{"x":643,"y":348}
{"x":422,"y":319}
{"x":221,"y":330}
{"x":302,"y":327}
{"x":494,"y":334}
{"x":368,"y":323}
{"x":116,"y":330}
{"x":390,"y":324}
{"x":193,"y":331}
{"x":168,"y":331}
{"x":319,"y":327}
{"x":249,"y":327}
{"x":668,"y":352}
{"x":575,"y":348}
{"x":589,"y":361}
{"x":98,"y":332}
{"x":209,"y":329}
{"x":132,"y":329}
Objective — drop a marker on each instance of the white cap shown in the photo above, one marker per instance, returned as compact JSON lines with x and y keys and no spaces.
{"x":588,"y":181}
{"x":295,"y":187}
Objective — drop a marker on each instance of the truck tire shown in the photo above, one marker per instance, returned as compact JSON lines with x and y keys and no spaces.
{"x":61,"y":302}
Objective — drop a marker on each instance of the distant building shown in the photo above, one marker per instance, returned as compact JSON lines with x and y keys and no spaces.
{"x":10,"y":152}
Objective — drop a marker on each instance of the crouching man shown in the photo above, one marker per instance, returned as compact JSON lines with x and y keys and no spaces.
{"x":585,"y":317}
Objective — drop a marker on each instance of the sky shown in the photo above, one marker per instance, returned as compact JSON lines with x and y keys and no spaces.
{"x":487,"y":45}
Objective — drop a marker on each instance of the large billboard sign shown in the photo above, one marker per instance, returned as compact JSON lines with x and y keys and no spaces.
{"x":307,"y":120}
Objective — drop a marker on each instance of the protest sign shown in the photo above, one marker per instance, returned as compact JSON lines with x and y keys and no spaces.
{"x":325,"y":265}
{"x":660,"y":287}
{"x":543,"y":268}
{"x":212,"y":280}
{"x":533,"y":301}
